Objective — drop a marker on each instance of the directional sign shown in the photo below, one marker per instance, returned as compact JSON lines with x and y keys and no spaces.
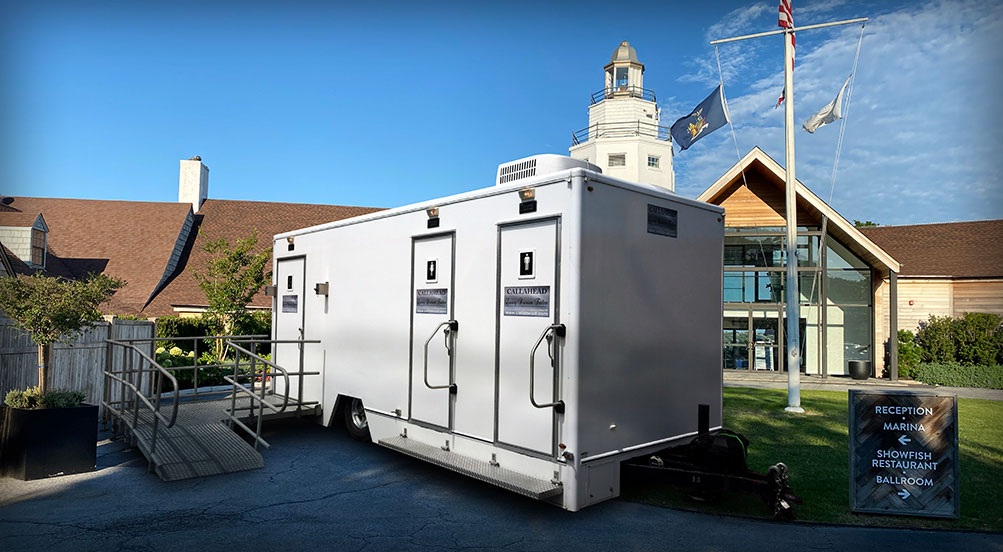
{"x":904,"y":453}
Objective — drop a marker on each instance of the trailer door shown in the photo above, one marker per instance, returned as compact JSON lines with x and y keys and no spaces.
{"x":528,"y":304}
{"x":289,"y":316}
{"x":432,"y":334}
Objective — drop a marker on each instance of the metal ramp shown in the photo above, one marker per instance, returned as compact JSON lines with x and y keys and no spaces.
{"x":185,"y":451}
{"x":185,"y":436}
{"x":525,"y":485}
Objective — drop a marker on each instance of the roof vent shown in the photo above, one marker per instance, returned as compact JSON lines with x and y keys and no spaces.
{"x":539,"y":165}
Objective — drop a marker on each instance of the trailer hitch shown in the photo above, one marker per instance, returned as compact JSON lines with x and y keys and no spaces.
{"x":780,"y":497}
{"x":715,"y":463}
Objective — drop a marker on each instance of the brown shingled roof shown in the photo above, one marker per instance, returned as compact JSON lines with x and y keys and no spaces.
{"x":132,"y":240}
{"x":233,"y":220}
{"x":18,"y":219}
{"x":950,"y":249}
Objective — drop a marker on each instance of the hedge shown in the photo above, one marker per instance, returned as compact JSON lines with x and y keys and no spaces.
{"x":909,"y":354}
{"x":952,"y":374}
{"x":168,"y":327}
{"x":975,"y":338}
{"x":175,"y":326}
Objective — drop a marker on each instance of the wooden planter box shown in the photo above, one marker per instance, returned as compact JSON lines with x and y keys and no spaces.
{"x":35,"y":444}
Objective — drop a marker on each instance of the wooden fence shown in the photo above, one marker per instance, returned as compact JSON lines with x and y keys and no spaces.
{"x":76,"y":366}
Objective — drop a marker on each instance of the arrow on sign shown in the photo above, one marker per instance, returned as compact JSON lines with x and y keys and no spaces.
{"x":904,"y":440}
{"x":904,"y":494}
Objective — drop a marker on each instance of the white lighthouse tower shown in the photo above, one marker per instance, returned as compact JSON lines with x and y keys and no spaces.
{"x":624,"y":137}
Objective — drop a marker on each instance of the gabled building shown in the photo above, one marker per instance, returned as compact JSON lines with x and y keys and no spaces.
{"x":840,"y":273}
{"x":233,"y":220}
{"x":151,"y":245}
{"x":948,"y":269}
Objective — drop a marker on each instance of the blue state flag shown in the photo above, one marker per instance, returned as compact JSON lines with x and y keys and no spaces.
{"x":707,"y":117}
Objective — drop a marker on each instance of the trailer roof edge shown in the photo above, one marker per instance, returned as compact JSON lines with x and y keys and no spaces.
{"x":543,"y":180}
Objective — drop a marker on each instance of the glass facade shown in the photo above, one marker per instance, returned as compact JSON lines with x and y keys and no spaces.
{"x":835,"y":290}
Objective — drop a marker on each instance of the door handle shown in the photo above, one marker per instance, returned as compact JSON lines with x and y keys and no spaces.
{"x":552,"y":331}
{"x":450,"y":335}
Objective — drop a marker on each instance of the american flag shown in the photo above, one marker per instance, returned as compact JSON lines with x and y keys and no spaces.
{"x":786,"y":21}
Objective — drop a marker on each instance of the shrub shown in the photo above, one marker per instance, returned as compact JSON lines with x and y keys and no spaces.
{"x":953,"y":374}
{"x":909,"y":354}
{"x":62,"y":399}
{"x":28,"y":398}
{"x":180,"y":363}
{"x":998,"y":343}
{"x":130,"y":317}
{"x":174,"y":326}
{"x":975,"y":338}
{"x":936,"y":339}
{"x":255,"y":323}
{"x":32,"y":398}
{"x":168,"y":327}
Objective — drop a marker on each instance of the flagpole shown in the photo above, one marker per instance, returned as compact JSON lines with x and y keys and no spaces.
{"x":795,"y":29}
{"x":793,"y":303}
{"x":793,"y":310}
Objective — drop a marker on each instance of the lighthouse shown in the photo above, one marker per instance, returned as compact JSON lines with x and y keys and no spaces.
{"x":624,"y":136}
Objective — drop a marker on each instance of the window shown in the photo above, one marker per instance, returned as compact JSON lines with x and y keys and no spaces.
{"x":37,"y":247}
{"x":617,"y":159}
{"x":751,"y":251}
{"x":753,"y":287}
{"x":839,"y":256}
{"x":653,"y":161}
{"x":848,"y":287}
{"x":621,"y":78}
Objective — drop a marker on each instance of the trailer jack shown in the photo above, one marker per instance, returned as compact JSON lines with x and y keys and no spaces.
{"x":715,"y":463}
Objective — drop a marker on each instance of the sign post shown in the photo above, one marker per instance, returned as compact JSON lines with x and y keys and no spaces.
{"x":904,"y":453}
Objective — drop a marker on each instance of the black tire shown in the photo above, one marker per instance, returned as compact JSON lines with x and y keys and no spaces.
{"x":355,"y":420}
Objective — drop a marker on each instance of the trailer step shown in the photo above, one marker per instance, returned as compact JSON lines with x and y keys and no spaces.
{"x":539,"y":489}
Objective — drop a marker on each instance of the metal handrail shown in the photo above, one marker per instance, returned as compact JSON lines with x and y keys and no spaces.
{"x":621,"y":129}
{"x":195,"y":367}
{"x":163,"y":372}
{"x":139,"y":397}
{"x":453,"y":325}
{"x":618,"y":91}
{"x":264,"y":374}
{"x":259,"y":400}
{"x":558,"y":330}
{"x":190,"y":338}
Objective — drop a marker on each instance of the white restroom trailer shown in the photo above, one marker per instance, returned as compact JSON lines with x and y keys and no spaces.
{"x":532,"y":334}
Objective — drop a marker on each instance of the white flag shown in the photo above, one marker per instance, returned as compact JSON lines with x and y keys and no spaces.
{"x":828,"y":114}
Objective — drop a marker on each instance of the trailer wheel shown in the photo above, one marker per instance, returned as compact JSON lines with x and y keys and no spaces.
{"x":355,"y":420}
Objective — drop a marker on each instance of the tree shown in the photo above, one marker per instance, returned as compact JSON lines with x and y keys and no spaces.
{"x":53,"y":309}
{"x":864,"y":223}
{"x":233,"y":275}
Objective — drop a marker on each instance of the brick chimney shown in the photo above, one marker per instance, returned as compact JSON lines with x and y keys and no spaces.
{"x":193,"y":185}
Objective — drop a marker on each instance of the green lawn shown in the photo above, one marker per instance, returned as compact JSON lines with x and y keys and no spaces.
{"x":814,"y":446}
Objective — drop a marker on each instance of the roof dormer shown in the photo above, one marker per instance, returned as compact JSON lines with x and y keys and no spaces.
{"x":26,"y":236}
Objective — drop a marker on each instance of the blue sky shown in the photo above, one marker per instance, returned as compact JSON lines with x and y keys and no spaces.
{"x":384,"y":104}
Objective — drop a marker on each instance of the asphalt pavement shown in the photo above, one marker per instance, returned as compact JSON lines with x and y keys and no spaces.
{"x":321,"y":490}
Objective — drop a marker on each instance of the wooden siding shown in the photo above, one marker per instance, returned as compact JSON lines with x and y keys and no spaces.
{"x":77,"y":366}
{"x":932,"y":297}
{"x":978,"y":296}
{"x":758,"y":204}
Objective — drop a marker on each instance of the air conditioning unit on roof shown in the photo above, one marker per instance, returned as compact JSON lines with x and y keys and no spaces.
{"x":539,"y":165}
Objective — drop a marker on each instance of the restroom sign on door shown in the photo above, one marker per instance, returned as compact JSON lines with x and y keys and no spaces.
{"x":527,"y":266}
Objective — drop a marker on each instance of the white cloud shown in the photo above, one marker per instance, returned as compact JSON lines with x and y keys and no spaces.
{"x":922,"y":142}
